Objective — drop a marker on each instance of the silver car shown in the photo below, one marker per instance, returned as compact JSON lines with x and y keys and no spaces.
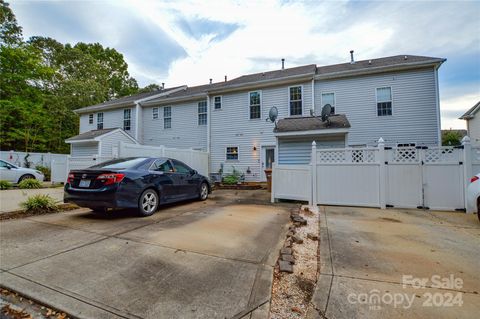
{"x":15,"y":174}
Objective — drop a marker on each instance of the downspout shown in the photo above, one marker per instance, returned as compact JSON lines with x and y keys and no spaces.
{"x":209,"y":119}
{"x":137,"y":115}
{"x":437,"y":102}
{"x":313,"y":94}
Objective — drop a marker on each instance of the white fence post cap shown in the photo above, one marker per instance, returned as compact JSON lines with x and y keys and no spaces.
{"x":465,"y":140}
{"x":314,"y":144}
{"x":381,"y":140}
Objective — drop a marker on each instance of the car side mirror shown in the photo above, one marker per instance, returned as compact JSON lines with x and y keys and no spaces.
{"x":193,"y":172}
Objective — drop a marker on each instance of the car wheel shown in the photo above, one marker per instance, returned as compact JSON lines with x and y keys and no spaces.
{"x":148,"y":203}
{"x":478,"y":208}
{"x":26,"y":176}
{"x":203,"y":191}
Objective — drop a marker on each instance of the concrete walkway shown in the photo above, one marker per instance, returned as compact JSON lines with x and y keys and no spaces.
{"x":10,"y":199}
{"x":210,"y":259}
{"x":372,"y":262}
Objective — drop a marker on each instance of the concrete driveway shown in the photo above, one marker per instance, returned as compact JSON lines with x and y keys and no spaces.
{"x":365,"y":254}
{"x":210,"y":259}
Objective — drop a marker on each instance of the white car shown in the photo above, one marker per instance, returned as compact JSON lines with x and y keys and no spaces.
{"x":15,"y":174}
{"x":473,"y":195}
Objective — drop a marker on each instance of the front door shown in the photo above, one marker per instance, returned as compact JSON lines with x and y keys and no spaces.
{"x":268,"y":157}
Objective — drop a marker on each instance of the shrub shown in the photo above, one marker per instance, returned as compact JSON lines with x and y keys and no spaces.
{"x":39,"y":204}
{"x":45,"y":170}
{"x":232,"y":178}
{"x":5,"y":184}
{"x":29,"y":184}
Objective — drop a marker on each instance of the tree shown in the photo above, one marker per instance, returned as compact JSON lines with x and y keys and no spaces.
{"x":451,"y":138}
{"x":10,"y":31}
{"x":150,"y":88}
{"x":42,"y":82}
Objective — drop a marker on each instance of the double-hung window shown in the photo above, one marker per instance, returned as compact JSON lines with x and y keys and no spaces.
{"x":167,"y":117}
{"x":255,"y":104}
{"x":232,"y":153}
{"x":295,"y":98}
{"x":127,"y":115}
{"x":99,"y":121}
{"x":90,"y":118}
{"x":202,"y":113}
{"x":217,"y":102}
{"x":329,"y":98}
{"x":384,"y":101}
{"x":155,"y":113}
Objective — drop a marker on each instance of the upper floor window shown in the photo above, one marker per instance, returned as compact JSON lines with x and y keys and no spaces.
{"x":155,"y":113}
{"x":90,"y":118}
{"x":329,"y":98}
{"x":127,"y":115}
{"x":295,"y":98}
{"x":384,"y":101}
{"x":167,"y":117}
{"x":202,"y":113}
{"x":99,"y":121}
{"x":254,"y":104}
{"x":232,"y":153}
{"x":217,"y":102}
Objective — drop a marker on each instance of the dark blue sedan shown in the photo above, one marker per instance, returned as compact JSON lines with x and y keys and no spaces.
{"x":137,"y":182}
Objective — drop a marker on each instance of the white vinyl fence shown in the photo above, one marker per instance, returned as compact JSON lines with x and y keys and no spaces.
{"x":198,"y":160}
{"x":406,"y":177}
{"x":34,"y":159}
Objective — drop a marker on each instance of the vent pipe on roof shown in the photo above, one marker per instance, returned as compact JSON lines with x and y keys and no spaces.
{"x":210,"y":81}
{"x":283,"y":64}
{"x":225,"y":78}
{"x":163,"y":85}
{"x":352,"y":61}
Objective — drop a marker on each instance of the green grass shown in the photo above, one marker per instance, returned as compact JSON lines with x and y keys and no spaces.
{"x":39,"y":204}
{"x":29,"y":183}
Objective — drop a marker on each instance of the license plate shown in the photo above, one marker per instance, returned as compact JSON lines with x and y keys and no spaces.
{"x":84,"y":183}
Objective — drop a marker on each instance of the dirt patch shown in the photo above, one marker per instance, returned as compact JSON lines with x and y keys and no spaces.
{"x":291,"y":293}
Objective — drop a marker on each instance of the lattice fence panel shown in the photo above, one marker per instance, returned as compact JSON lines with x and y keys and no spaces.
{"x":443,"y":155}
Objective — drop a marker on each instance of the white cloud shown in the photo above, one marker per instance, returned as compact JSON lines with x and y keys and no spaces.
{"x":455,"y":107}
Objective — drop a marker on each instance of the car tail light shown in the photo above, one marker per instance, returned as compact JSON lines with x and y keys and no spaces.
{"x":70,"y":178}
{"x":473,"y":179}
{"x":113,"y":178}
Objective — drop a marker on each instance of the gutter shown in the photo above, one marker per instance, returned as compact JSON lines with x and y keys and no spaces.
{"x":380,"y":69}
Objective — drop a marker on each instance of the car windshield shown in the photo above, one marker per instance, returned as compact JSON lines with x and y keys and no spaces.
{"x":122,"y":163}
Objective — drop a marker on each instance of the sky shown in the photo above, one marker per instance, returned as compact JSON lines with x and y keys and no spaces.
{"x":190,"y":41}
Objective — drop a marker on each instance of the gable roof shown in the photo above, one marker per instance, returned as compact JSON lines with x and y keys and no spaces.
{"x":96,"y":135}
{"x":269,"y":78}
{"x":127,"y":100}
{"x":311,"y":123}
{"x":471,"y":112}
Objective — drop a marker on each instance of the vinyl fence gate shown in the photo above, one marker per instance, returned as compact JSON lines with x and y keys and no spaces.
{"x":402,"y":177}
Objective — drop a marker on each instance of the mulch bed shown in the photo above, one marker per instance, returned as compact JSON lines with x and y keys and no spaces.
{"x":238,"y":187}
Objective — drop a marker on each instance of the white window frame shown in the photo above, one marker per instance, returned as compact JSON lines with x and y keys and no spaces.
{"x":167,"y":117}
{"x":334,"y":100}
{"x":155,"y":113}
{"x":221,"y":103}
{"x":129,"y":119}
{"x":98,"y":122}
{"x":198,"y":113}
{"x":238,"y":153}
{"x":289,"y":100}
{"x":261,"y":102}
{"x":90,"y":119}
{"x":376,"y":100}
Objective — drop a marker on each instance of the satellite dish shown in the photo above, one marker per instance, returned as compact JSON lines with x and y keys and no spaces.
{"x":326,"y":111}
{"x":272,"y":114}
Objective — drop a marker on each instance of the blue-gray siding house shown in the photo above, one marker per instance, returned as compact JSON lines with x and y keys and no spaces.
{"x":396,"y":98}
